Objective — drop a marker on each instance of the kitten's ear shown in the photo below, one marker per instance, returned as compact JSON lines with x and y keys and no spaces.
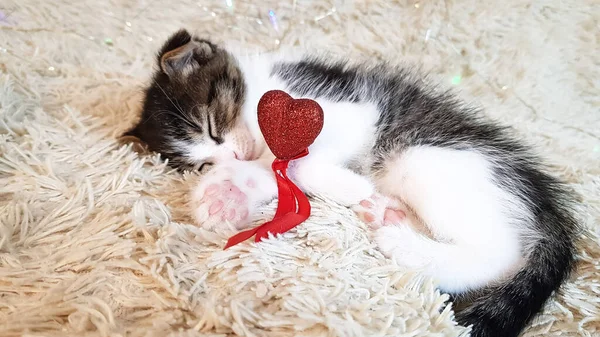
{"x":183,"y":53}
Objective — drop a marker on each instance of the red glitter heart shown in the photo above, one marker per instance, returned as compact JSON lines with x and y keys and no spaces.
{"x":289,"y":125}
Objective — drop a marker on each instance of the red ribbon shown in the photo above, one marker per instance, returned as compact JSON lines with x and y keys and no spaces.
{"x":293,"y":207}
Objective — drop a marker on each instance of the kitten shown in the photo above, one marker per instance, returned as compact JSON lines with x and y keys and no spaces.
{"x":501,"y":233}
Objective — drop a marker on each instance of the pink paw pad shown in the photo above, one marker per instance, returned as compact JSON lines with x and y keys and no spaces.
{"x":229,"y":215}
{"x":378,"y":211}
{"x":224,"y":202}
{"x":211,"y":190}
{"x":393,"y":216}
{"x":215,"y":207}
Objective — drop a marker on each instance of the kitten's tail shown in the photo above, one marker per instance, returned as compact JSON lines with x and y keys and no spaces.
{"x":505,"y":310}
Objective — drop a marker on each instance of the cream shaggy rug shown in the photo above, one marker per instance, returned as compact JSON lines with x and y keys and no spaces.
{"x":95,"y":239}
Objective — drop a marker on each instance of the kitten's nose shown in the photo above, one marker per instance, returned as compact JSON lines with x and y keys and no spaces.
{"x":236,"y":155}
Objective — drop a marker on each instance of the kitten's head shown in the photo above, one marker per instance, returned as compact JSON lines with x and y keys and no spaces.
{"x":192,"y":109}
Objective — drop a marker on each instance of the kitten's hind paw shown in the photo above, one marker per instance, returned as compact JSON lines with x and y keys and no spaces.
{"x":379,"y":210}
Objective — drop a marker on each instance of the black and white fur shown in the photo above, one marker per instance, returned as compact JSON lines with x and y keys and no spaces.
{"x":445,"y":191}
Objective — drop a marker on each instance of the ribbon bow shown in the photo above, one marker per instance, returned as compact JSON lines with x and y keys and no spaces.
{"x":293,"y":206}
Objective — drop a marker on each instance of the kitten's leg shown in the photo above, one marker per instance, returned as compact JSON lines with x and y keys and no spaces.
{"x":320,"y":177}
{"x":317,"y":176}
{"x":470,"y":217}
{"x":230,"y":193}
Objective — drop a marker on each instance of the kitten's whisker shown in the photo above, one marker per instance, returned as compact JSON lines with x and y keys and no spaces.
{"x":178,"y":106}
{"x":171,"y":113}
{"x":192,"y":116}
{"x":184,"y":117}
{"x":169,"y":98}
{"x":189,"y":123}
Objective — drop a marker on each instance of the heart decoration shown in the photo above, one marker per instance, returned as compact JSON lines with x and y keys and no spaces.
{"x":289,"y":127}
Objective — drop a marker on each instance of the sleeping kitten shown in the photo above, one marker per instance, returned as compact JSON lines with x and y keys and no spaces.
{"x":499,"y":231}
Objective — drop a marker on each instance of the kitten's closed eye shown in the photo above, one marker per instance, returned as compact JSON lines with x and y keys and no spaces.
{"x":205,"y":167}
{"x":212,"y":132}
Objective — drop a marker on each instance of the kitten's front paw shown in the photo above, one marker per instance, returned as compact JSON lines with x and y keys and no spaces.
{"x":228,"y":194}
{"x":379,"y":210}
{"x":221,"y":202}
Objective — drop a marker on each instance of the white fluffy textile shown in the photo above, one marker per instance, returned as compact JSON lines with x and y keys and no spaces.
{"x":95,"y":240}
